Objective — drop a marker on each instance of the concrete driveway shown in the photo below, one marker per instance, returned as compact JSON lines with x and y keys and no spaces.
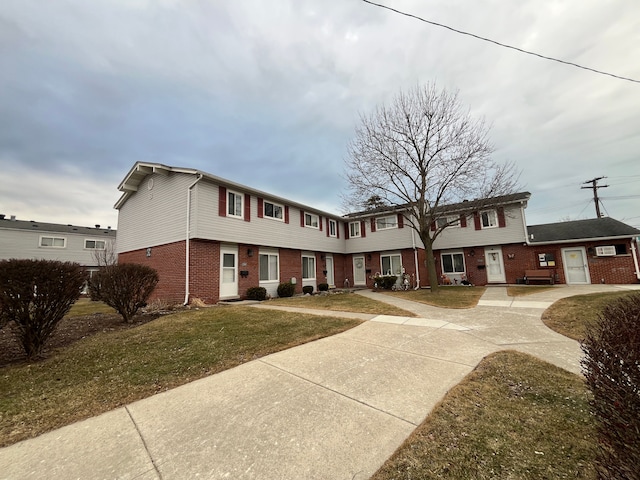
{"x":335,"y":408}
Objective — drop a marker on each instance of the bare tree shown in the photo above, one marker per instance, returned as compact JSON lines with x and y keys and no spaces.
{"x":107,"y":256}
{"x":421,"y":153}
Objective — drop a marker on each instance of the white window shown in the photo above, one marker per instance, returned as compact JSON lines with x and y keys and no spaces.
{"x":311,"y":220}
{"x":234,"y":204}
{"x":452,"y":262}
{"x":308,"y":267}
{"x":448,"y":221}
{"x":269,"y":267}
{"x":391,"y":264}
{"x":94,"y":244}
{"x":384,"y":223}
{"x":53,"y":242}
{"x":489,"y":219}
{"x":273,"y":210}
{"x":354,"y":229}
{"x":333,"y":228}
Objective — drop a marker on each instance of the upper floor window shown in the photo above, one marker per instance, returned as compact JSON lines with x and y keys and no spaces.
{"x":273,"y":210}
{"x":311,"y":220}
{"x":448,"y":222}
{"x":489,"y":219}
{"x":53,"y":242}
{"x":354,"y":229}
{"x":94,"y":244}
{"x":308,"y":267}
{"x":333,"y":228}
{"x":383,"y":223}
{"x":234,"y":204}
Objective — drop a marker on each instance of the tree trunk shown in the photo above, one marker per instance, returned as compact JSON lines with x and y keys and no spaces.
{"x":431,"y":262}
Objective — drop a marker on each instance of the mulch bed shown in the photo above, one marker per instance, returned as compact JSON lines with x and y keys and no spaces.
{"x":69,"y":331}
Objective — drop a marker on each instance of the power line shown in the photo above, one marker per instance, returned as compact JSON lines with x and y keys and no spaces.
{"x":502,"y":44}
{"x":594,"y":186}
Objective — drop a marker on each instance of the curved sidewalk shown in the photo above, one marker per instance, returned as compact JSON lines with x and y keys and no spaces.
{"x":335,"y":408}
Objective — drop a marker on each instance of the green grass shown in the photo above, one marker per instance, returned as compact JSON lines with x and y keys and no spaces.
{"x":513,"y":417}
{"x":344,"y":302}
{"x":84,"y":306}
{"x":523,"y":290}
{"x":111,"y":369}
{"x":572,"y":315}
{"x":444,"y":297}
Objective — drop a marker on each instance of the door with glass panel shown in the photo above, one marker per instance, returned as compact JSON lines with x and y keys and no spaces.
{"x":228,"y":271}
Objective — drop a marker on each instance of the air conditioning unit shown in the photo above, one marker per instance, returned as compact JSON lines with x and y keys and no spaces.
{"x":607,"y":251}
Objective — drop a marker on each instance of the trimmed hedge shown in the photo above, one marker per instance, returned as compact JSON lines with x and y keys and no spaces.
{"x":257,"y":293}
{"x":307,"y":289}
{"x":323,"y":287}
{"x":611,"y":367}
{"x":286,"y":289}
{"x":386,"y":282}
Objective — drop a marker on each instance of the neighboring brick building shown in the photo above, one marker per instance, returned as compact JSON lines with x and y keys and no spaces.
{"x":236,"y":237}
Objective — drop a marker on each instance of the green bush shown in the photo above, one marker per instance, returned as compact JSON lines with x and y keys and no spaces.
{"x":386,"y":282}
{"x":257,"y":293}
{"x":35,"y":295}
{"x":323,"y":287}
{"x":307,"y":289}
{"x":611,"y":367}
{"x":286,"y":289}
{"x":125,"y":287}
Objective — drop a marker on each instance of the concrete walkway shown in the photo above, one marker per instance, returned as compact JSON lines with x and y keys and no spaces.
{"x":335,"y":408}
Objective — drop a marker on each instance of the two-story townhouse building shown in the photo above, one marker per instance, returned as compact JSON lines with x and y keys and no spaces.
{"x":212,"y":239}
{"x":50,"y":241}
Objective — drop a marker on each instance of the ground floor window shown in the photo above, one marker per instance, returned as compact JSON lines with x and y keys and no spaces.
{"x":308,"y":267}
{"x":452,"y":262}
{"x":269,"y":267}
{"x":391,"y":264}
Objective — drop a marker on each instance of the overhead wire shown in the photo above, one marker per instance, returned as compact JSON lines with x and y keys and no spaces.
{"x":462,"y":32}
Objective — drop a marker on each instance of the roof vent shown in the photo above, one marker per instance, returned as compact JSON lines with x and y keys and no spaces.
{"x":1,"y":216}
{"x":13,"y":218}
{"x":97,"y":226}
{"x":531,"y":236}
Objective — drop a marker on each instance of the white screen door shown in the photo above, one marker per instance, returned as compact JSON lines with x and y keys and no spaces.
{"x":228,"y":272}
{"x":494,"y":265}
{"x":330,"y":275}
{"x":359,"y":274}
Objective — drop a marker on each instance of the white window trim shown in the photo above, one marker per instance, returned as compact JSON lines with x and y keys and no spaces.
{"x":494,"y":215}
{"x":309,"y":256}
{"x":240,"y":196}
{"x":335,"y":228}
{"x":64,"y":242}
{"x":391,"y":254}
{"x":394,"y":222}
{"x":351,"y":235}
{"x":95,"y":240}
{"x":311,"y":216}
{"x":451,"y":221}
{"x":270,"y":254}
{"x":464,"y":264}
{"x":264,"y":210}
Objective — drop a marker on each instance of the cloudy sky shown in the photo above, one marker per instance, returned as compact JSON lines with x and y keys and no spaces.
{"x":268,"y":94}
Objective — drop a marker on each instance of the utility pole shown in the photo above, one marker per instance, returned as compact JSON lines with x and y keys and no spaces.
{"x":594,"y":186}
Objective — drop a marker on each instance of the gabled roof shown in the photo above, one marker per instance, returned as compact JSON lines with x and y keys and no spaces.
{"x":591,"y":229}
{"x":55,"y":228}
{"x":465,"y":206}
{"x":140,"y":170}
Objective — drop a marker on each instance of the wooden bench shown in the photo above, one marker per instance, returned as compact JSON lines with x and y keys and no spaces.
{"x":542,"y":275}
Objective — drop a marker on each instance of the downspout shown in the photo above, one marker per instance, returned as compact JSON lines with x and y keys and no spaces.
{"x":634,"y":254}
{"x":188,"y":239}
{"x":415,"y":257}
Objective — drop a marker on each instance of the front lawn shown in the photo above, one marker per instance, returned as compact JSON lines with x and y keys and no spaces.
{"x":514,"y":417}
{"x":113,"y":368}
{"x":444,"y":297}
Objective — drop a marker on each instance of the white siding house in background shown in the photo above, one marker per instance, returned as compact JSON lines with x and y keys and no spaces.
{"x":50,"y":241}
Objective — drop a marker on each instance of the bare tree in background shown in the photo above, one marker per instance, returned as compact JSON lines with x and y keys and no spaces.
{"x":420,"y":153}
{"x":108,"y":256}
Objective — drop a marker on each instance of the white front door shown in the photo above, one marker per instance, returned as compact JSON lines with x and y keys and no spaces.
{"x":228,"y":271}
{"x":576,"y":270}
{"x":330,"y":275}
{"x":359,"y":273}
{"x":494,"y":265}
